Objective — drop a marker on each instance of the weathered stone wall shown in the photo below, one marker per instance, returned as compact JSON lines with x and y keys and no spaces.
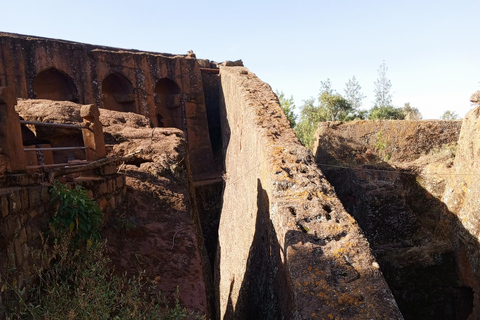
{"x":364,"y":142}
{"x":391,"y":175}
{"x":165,"y":238}
{"x":211,"y":89}
{"x":25,"y":212}
{"x":462,"y":197}
{"x":287,"y":249}
{"x":167,"y":89}
{"x":12,"y":156}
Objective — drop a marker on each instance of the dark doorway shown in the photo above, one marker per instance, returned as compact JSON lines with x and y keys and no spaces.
{"x":117,"y":93}
{"x":167,"y":104}
{"x":53,"y":84}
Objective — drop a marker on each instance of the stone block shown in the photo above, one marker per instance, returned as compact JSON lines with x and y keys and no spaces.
{"x":23,"y":217}
{"x":34,"y":196}
{"x":18,"y":252}
{"x":40,"y":210}
{"x":24,"y":198}
{"x":108,"y":170}
{"x":22,"y":235}
{"x":11,"y":254}
{"x":10,"y":131}
{"x":32,"y":213}
{"x":30,"y":156}
{"x":47,"y":156}
{"x":102,"y":202}
{"x":45,"y":194}
{"x":93,"y":135}
{"x":119,"y":198}
{"x":4,"y":205}
{"x":111,"y":202}
{"x":25,"y":251}
{"x":21,"y":179}
{"x":9,"y":226}
{"x":120,"y":181}
{"x":29,"y":231}
{"x":15,"y":202}
{"x":111,"y":185}
{"x":101,"y":189}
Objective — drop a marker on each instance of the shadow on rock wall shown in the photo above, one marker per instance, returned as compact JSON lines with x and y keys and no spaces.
{"x":426,"y":255}
{"x":265,"y":292}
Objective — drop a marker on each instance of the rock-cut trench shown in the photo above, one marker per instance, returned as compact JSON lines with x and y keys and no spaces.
{"x":410,"y":230}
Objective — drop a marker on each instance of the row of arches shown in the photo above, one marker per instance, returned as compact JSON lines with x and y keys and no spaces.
{"x":117,"y":94}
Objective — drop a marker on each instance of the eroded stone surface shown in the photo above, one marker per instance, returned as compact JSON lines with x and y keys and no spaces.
{"x":462,"y":197}
{"x":165,"y":88}
{"x":391,"y":176}
{"x":158,"y":229}
{"x":287,"y":248}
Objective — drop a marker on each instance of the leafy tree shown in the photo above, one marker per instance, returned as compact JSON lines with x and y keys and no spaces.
{"x":386,"y":112}
{"x":288,"y":107}
{"x":310,"y":116}
{"x":333,"y":105}
{"x":449,"y":115}
{"x":383,"y":97}
{"x":411,"y":113}
{"x":353,"y":94}
{"x":357,"y":115}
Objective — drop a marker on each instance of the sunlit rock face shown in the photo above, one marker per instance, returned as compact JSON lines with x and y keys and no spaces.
{"x":462,"y":197}
{"x":287,"y":249}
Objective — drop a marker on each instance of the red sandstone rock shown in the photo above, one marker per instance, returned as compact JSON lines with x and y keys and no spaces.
{"x":163,"y":236}
{"x":166,"y":238}
{"x":165,"y":88}
{"x":395,"y":190}
{"x":11,"y":149}
{"x":287,"y":248}
{"x":462,"y":197}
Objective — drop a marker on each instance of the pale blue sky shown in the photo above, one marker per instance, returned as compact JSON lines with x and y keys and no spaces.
{"x":431,"y":48}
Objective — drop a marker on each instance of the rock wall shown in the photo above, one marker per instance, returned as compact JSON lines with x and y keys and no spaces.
{"x":391,"y":175}
{"x":287,"y":249}
{"x":165,"y":88}
{"x":151,"y":221}
{"x":462,"y":197}
{"x":361,"y":142}
{"x":158,"y":228}
{"x":25,"y":214}
{"x":25,"y":199}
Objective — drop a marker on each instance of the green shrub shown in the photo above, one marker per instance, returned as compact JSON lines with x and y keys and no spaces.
{"x":76,"y":216}
{"x":80,"y":284}
{"x":73,"y":279}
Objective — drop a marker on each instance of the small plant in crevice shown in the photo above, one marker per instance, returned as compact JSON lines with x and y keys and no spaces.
{"x":381,"y":146}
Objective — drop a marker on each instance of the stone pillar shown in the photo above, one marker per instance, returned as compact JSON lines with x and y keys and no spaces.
{"x":93,"y":135}
{"x":12,"y":156}
{"x":31,"y":156}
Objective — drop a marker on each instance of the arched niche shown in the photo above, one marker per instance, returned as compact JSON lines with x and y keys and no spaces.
{"x":167,"y":104}
{"x":53,"y":84}
{"x":117,"y":93}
